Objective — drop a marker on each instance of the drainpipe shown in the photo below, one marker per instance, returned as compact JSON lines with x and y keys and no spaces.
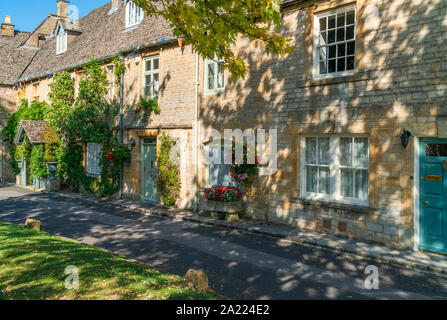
{"x":121,"y":123}
{"x":196,"y":138}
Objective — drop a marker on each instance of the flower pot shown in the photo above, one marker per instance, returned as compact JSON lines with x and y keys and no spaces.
{"x":220,"y":209}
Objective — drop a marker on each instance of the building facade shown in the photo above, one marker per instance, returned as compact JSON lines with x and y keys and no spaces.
{"x":359,"y":108}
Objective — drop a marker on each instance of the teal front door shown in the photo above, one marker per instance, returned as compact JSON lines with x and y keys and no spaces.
{"x":433,"y":195}
{"x":149,"y":170}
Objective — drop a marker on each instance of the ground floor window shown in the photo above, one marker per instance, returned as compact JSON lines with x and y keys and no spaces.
{"x":93,"y":158}
{"x":218,"y":171}
{"x":335,"y":168}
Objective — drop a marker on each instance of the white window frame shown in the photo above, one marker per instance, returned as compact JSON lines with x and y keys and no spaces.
{"x":93,"y":154}
{"x":316,"y":52}
{"x":216,"y":77}
{"x":154,"y":89}
{"x":334,"y":171}
{"x":134,"y":14}
{"x":61,"y":40}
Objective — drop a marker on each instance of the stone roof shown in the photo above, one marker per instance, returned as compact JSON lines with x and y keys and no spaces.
{"x":13,"y":58}
{"x":37,"y":131}
{"x":102,"y":36}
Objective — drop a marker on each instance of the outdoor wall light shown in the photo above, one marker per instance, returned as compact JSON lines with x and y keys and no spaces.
{"x":405,"y":138}
{"x":132,"y":144}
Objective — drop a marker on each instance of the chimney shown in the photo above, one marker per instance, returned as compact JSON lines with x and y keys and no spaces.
{"x":62,"y":8}
{"x":115,"y":3}
{"x":7,"y":28}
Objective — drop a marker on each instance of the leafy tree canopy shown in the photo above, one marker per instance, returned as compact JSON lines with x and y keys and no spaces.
{"x":212,"y":26}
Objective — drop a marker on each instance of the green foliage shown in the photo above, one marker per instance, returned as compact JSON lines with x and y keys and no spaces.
{"x":24,"y":150}
{"x":212,"y":26}
{"x":61,"y":97}
{"x":113,"y":157}
{"x":149,"y":105}
{"x":93,"y":86}
{"x":118,"y":71}
{"x":244,"y":173}
{"x":25,"y":111}
{"x":70,"y":166}
{"x":37,"y":164}
{"x":168,"y":183}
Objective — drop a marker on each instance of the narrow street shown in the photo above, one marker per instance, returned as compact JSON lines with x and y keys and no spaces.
{"x":240,"y":265}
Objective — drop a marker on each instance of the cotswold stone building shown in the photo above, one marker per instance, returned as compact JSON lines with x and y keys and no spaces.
{"x":362,"y":73}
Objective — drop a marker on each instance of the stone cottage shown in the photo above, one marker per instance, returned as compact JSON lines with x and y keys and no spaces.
{"x":359,"y":108}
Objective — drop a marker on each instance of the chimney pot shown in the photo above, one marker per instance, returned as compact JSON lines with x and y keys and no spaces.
{"x":62,"y":8}
{"x":7,"y":28}
{"x":115,"y":3}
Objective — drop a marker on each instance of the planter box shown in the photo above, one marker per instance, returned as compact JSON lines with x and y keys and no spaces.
{"x":220,"y":209}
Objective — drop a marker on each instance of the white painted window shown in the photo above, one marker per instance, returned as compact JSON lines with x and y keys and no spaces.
{"x":61,"y":40}
{"x":214,"y":76}
{"x":335,"y":168}
{"x":93,"y":158}
{"x":134,"y":14}
{"x":334,"y":42}
{"x":217,"y":170}
{"x":151,"y":76}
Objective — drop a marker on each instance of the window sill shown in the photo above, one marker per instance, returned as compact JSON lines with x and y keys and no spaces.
{"x":315,"y":82}
{"x":356,"y":208}
{"x":127,"y":29}
{"x":214,"y":92}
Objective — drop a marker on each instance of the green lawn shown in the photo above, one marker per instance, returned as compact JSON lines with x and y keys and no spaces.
{"x":32,"y":266}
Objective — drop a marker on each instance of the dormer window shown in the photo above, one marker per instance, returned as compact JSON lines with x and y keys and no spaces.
{"x":61,"y":40}
{"x":134,"y":14}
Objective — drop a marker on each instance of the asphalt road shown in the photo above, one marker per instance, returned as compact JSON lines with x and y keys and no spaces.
{"x":240,"y":265}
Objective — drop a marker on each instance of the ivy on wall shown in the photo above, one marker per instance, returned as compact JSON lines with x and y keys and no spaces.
{"x":168,"y":183}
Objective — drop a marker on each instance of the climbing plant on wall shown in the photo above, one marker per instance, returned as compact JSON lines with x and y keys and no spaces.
{"x":168,"y":183}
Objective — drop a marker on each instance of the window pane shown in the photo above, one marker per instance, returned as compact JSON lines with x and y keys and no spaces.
{"x":350,"y":16}
{"x":350,"y":63}
{"x":346,"y":152}
{"x":322,"y":24}
{"x":331,"y":22}
{"x":324,"y":181}
{"x":341,"y":64}
{"x":311,"y":179}
{"x":341,"y":34}
{"x":351,"y":48}
{"x":323,"y":151}
{"x":156,"y":64}
{"x":311,"y":150}
{"x":331,"y":66}
{"x":323,"y":67}
{"x":341,"y":19}
{"x":346,"y":183}
{"x":323,"y":54}
{"x":361,"y":184}
{"x":341,"y":50}
{"x":220,"y":77}
{"x":322,"y":39}
{"x":148,"y":65}
{"x":214,"y":174}
{"x":436,"y":150}
{"x":331,"y":36}
{"x":361,"y":152}
{"x":155,"y":85}
{"x":332,"y":52}
{"x":350,"y":33}
{"x":211,"y":74}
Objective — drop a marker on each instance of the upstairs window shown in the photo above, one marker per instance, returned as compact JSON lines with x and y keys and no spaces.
{"x":214,"y":76}
{"x":334,"y":42}
{"x":61,"y":40}
{"x":150,"y":76}
{"x":134,"y":14}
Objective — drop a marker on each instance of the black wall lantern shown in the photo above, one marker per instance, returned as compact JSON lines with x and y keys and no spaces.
{"x":405,"y":138}
{"x":131,"y":143}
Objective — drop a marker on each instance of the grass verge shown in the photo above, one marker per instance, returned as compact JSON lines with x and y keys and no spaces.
{"x":32,"y":266}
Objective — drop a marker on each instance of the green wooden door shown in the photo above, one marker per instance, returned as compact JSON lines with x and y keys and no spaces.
{"x":433,"y":195}
{"x":149,"y":170}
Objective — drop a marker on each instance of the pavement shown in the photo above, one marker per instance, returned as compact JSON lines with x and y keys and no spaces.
{"x":243,"y":261}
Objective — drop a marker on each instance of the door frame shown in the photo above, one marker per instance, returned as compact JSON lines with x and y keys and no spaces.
{"x":142,"y":173}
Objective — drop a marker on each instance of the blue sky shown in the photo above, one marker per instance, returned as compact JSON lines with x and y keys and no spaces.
{"x":27,"y":14}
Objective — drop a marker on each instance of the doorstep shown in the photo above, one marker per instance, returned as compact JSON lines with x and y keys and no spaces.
{"x":408,"y":258}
